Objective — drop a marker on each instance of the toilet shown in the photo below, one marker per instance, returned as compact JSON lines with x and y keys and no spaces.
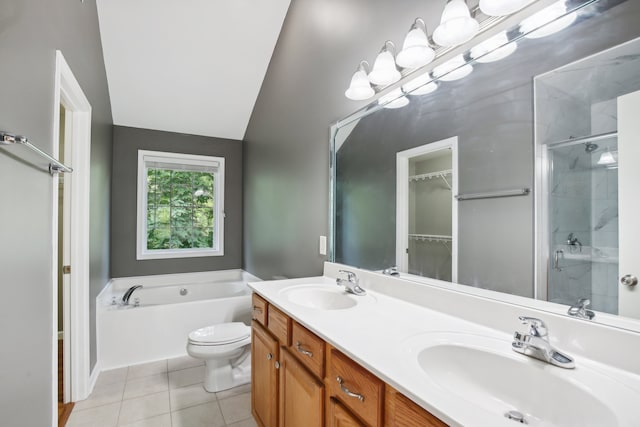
{"x":226,"y":350}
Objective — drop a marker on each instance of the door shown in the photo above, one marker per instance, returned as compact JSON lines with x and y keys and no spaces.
{"x":264,"y":377}
{"x":629,"y":203}
{"x":339,"y":416}
{"x":301,"y":395}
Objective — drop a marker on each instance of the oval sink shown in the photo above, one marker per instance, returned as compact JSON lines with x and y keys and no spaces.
{"x":493,"y":380}
{"x":320,"y":297}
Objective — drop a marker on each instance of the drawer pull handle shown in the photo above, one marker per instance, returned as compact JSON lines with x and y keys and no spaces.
{"x":302,"y":350}
{"x":257,"y":309}
{"x":269,"y":356}
{"x":348,"y":392}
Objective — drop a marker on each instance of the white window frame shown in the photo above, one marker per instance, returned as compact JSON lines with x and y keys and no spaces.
{"x":146,"y":156}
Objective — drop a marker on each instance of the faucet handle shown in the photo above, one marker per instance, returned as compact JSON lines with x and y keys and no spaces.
{"x":351,"y":276}
{"x":537,"y":327}
{"x":579,"y":309}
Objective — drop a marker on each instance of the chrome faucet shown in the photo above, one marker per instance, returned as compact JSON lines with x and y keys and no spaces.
{"x":391,"y":271}
{"x":536,"y":344}
{"x":580,"y":311}
{"x":127,"y":295}
{"x":350,"y":283}
{"x":573,"y":242}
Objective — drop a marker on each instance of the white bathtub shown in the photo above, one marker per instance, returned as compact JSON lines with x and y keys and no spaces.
{"x":170,"y":306}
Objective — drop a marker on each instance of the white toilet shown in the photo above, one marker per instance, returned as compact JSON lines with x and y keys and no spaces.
{"x":226,"y":350}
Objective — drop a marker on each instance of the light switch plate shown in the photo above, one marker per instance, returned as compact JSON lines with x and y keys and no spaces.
{"x":323,"y":245}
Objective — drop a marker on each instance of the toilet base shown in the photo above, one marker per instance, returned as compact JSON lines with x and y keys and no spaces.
{"x":222,"y":376}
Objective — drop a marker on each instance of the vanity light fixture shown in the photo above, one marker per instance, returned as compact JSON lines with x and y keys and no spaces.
{"x":456,"y":25}
{"x":416,"y":50}
{"x":548,"y":21}
{"x":608,"y":158}
{"x":454,"y":69}
{"x":394,"y":99}
{"x":493,"y":49}
{"x":421,"y":85}
{"x":502,"y":7}
{"x":384,"y":70}
{"x":360,"y":87}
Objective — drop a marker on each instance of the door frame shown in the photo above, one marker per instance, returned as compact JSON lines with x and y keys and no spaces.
{"x":67,"y":91}
{"x":402,"y":200}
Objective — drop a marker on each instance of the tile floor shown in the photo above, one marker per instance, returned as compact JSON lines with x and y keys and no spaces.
{"x":167,"y":393}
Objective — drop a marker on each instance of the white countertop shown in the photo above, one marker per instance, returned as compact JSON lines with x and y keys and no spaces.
{"x":380,"y":331}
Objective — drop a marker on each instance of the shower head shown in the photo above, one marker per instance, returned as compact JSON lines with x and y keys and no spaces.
{"x":589,"y":147}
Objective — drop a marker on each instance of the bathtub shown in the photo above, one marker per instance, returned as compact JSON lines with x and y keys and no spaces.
{"x":161,"y":314}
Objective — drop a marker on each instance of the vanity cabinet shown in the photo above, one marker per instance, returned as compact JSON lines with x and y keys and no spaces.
{"x":298,"y":379}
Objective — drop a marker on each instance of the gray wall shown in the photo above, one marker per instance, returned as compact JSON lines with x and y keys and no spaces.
{"x":126,"y":143}
{"x":30,"y":32}
{"x":286,"y":159}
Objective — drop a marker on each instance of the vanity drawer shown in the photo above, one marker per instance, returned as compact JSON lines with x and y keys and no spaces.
{"x":358,"y":389}
{"x":279,"y":324}
{"x":259,"y":309}
{"x":308,"y":349}
{"x":400,"y":411}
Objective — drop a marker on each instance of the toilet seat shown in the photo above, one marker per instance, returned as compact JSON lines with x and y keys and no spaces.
{"x":218,"y":335}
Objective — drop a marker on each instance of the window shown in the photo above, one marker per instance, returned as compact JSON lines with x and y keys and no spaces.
{"x":180,"y":205}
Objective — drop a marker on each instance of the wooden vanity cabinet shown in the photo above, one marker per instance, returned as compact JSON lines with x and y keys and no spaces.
{"x":341,"y":417}
{"x":264,"y":376}
{"x":259,"y":309}
{"x":301,"y":394}
{"x":400,"y":411}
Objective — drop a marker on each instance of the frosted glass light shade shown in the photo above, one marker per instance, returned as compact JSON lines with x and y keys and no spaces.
{"x":416,"y":51}
{"x":454,"y":69}
{"x":491,"y":49}
{"x":360,"y":88}
{"x":456,"y":25}
{"x":397,"y":98}
{"x":502,"y":7}
{"x":545,"y":16}
{"x":421,"y":85}
{"x":608,"y":158}
{"x":384,"y":70}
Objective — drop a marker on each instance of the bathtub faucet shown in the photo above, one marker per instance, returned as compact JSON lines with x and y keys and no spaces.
{"x":127,"y":295}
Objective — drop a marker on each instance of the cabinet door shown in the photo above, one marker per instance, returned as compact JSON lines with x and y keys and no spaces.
{"x":301,"y":394}
{"x":341,"y":417}
{"x":402,"y":412}
{"x":264,"y":377}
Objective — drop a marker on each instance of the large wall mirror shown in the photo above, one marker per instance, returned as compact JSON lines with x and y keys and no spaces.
{"x":530,"y":188}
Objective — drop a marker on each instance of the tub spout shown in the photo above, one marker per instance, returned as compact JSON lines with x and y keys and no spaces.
{"x":127,"y":295}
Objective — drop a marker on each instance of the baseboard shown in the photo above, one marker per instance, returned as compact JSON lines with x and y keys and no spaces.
{"x":93,"y":378}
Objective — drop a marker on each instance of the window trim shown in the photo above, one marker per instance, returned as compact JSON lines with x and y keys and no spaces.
{"x":142,"y":253}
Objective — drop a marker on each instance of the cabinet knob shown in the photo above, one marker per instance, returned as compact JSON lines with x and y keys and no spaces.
{"x":269,"y":356}
{"x":277,"y":365}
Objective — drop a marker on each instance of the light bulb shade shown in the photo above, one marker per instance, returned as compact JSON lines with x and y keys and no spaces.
{"x":456,"y":25}
{"x":608,"y":158}
{"x":421,"y":85}
{"x":494,"y":48}
{"x":542,"y":21}
{"x":384,"y":70}
{"x":502,"y":7}
{"x":394,"y":99}
{"x":454,"y":69}
{"x":416,"y":51}
{"x":360,"y":88}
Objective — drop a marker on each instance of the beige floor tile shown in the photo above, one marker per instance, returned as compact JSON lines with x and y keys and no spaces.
{"x":159,"y":421}
{"x":112,"y":376}
{"x":144,"y":407}
{"x":192,"y":395}
{"x":147,"y":369}
{"x":236,"y":408}
{"x":184,"y":362}
{"x":146,"y":385}
{"x":185,"y":377}
{"x":206,"y":415}
{"x":242,"y":389}
{"x":101,"y":416}
{"x":249,"y":422}
{"x":101,"y":395}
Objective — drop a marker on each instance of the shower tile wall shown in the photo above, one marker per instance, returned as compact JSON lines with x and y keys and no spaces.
{"x":560,"y":117}
{"x":604,"y":213}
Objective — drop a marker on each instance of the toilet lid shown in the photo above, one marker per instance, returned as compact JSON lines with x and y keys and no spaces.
{"x":224,"y":333}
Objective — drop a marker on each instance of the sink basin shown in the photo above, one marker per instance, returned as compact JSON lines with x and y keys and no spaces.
{"x":484,"y":375}
{"x":320,"y":297}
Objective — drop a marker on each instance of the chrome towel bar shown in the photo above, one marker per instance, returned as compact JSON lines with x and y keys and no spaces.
{"x":494,"y":194}
{"x":9,"y":139}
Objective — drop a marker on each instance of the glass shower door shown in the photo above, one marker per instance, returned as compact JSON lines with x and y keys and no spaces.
{"x":583,"y":222}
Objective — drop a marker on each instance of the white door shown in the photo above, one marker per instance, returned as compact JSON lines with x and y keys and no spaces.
{"x":629,"y":203}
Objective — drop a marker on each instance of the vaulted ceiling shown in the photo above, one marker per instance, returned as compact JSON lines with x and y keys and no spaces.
{"x":193,"y":66}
